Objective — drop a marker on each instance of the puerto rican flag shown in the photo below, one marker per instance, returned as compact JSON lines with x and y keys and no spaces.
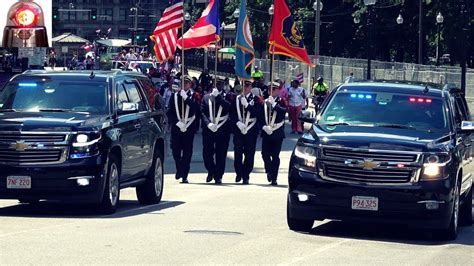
{"x":205,"y":31}
{"x":88,"y":46}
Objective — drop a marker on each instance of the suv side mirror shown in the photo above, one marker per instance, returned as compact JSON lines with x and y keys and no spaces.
{"x":307,"y":117}
{"x":467,"y":126}
{"x":127,"y":108}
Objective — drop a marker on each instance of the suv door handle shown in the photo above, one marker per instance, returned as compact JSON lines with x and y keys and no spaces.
{"x":138,"y":126}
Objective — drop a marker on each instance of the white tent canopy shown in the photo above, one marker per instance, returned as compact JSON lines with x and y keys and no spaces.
{"x":114,"y":42}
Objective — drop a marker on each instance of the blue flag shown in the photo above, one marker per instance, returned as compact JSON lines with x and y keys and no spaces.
{"x":244,"y":52}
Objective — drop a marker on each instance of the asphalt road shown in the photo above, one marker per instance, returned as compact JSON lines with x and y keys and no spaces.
{"x":198,"y":223}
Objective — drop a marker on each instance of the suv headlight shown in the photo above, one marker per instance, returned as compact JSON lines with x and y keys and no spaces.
{"x":434,"y":165}
{"x":306,"y":156}
{"x":85,"y":145}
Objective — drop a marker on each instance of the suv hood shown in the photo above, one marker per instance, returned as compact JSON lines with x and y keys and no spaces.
{"x":51,"y":122}
{"x":381,"y":138}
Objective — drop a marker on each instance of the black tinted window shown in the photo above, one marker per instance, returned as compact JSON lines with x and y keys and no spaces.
{"x":47,"y":93}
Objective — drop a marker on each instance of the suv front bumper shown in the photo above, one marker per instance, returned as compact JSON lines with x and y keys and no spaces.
{"x":58,"y":182}
{"x":398,"y":204}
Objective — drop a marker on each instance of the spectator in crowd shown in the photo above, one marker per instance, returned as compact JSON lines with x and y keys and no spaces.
{"x":296,"y":102}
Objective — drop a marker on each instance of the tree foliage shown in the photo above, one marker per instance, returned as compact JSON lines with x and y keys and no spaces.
{"x":340,"y":36}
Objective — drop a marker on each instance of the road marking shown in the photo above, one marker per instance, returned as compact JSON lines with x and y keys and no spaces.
{"x":120,"y":214}
{"x":330,"y":246}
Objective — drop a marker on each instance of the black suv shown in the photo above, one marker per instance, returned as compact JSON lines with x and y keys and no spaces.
{"x":80,"y":136}
{"x":385,"y":152}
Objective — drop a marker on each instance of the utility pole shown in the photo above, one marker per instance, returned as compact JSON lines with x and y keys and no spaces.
{"x":465,"y":34}
{"x":135,"y":24}
{"x":317,"y":6}
{"x":420,"y":33}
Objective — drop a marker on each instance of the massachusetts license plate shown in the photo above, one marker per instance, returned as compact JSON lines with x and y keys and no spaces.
{"x":18,"y":182}
{"x":365,"y":203}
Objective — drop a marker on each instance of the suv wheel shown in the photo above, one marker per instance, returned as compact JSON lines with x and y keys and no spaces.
{"x":111,"y":196}
{"x":465,"y":213}
{"x":297,"y":224}
{"x":451,"y":233}
{"x":151,"y":191}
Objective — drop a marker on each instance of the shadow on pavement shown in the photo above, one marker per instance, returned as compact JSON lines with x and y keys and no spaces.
{"x":53,"y":209}
{"x":389,"y":233}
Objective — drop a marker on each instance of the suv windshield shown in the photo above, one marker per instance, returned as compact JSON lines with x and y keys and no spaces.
{"x":385,"y":110}
{"x":47,"y":94}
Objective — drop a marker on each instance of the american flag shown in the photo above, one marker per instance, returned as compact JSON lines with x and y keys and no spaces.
{"x":166,"y":31}
{"x":300,"y":78}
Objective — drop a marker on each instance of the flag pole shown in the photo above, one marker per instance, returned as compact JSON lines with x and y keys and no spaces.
{"x":215,"y":64}
{"x":182,"y":68}
{"x":271,"y":69}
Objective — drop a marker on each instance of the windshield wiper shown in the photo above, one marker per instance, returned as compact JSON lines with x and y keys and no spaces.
{"x":336,"y":124}
{"x":395,"y":126}
{"x":7,"y":110}
{"x":53,"y":110}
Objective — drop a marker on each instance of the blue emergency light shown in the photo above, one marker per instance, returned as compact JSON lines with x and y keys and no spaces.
{"x":25,"y":84}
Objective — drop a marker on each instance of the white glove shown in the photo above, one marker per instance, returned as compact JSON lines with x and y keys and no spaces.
{"x":244,"y":102}
{"x":212,"y":127}
{"x":181,"y":126}
{"x":184,"y":95}
{"x":215,"y":92}
{"x":268,"y":130}
{"x":240,"y":125}
{"x":271,"y":100}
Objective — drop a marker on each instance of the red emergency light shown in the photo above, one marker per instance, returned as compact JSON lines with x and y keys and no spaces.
{"x":25,"y":17}
{"x":420,"y":100}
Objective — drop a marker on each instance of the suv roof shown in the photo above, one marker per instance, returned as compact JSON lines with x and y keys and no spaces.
{"x":83,"y":73}
{"x":402,"y":87}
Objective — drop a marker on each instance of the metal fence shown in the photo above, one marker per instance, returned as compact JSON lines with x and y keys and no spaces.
{"x":335,"y":71}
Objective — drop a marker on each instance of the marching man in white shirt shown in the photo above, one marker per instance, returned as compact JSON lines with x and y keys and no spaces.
{"x":215,"y":109}
{"x":182,"y":115}
{"x":273,"y":133}
{"x":246,"y":109}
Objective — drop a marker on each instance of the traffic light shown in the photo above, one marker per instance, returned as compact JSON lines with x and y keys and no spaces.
{"x":137,"y":37}
{"x":94,"y":14}
{"x":55,"y":13}
{"x":25,"y":26}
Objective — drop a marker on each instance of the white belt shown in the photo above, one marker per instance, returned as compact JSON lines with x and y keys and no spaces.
{"x":246,"y":120}
{"x":218,"y":120}
{"x":186,"y":119}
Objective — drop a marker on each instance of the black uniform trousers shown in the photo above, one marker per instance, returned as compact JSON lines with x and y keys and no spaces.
{"x":214,"y":151}
{"x":244,"y":145}
{"x":271,"y":148}
{"x":182,"y":149}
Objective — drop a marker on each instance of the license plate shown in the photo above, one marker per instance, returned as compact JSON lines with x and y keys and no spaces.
{"x":19,"y":182}
{"x":365,"y":203}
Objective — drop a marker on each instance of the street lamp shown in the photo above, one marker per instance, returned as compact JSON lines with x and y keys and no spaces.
{"x":187,"y":16}
{"x":271,"y":10}
{"x":370,"y":4}
{"x":223,"y":34}
{"x":317,"y":7}
{"x":400,"y":19}
{"x":439,"y":21}
{"x":237,"y":13}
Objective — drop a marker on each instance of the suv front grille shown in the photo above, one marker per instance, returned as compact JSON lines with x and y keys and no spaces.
{"x":31,"y":138}
{"x":378,"y":156}
{"x":353,"y":174}
{"x":33,"y":148}
{"x":10,"y":156}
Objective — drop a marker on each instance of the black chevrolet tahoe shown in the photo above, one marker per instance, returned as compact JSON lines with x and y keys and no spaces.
{"x":385,"y":153}
{"x":80,"y":137}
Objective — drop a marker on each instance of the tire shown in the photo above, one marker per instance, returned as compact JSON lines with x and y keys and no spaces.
{"x":111,"y":197}
{"x":152,"y":190}
{"x":465,"y":213}
{"x":297,"y":224}
{"x":451,"y":233}
{"x":28,"y":201}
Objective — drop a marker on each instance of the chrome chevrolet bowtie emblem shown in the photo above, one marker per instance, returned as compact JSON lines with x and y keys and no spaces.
{"x":20,"y":146}
{"x":368,"y":164}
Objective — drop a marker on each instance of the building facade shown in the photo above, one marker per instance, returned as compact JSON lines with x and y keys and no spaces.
{"x":85,"y":17}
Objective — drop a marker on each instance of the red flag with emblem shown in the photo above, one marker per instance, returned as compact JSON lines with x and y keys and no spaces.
{"x":285,"y":38}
